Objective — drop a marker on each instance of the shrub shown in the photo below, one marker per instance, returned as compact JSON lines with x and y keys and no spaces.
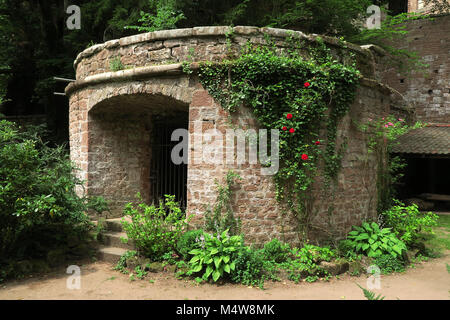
{"x":407,"y":221}
{"x":187,"y":242}
{"x":215,"y":256}
{"x":154,"y":230}
{"x":249,"y":268}
{"x":276,"y":251}
{"x":388,"y":264}
{"x":372,"y":241}
{"x":39,"y":209}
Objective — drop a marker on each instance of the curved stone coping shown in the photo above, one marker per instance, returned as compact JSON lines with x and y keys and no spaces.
{"x":212,"y":31}
{"x":141,"y":73}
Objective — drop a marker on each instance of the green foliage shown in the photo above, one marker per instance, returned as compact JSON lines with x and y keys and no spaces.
{"x":115,"y":64}
{"x":276,"y":251}
{"x":154,"y":230}
{"x":290,"y":93}
{"x":388,"y":264}
{"x":39,"y":209}
{"x":166,"y":16}
{"x":221,"y":216}
{"x":188,"y":241}
{"x":407,"y":222}
{"x":373,"y":241}
{"x":249,"y":268}
{"x":122,"y":263}
{"x":215,"y":256}
{"x":382,"y":137}
{"x":370,"y":295}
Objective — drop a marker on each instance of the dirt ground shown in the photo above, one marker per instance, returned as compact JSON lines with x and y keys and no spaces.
{"x":428,"y":280}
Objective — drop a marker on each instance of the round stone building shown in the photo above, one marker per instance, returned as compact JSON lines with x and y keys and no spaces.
{"x":121,"y":124}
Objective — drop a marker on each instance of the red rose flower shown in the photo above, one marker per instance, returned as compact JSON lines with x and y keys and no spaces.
{"x":284,"y":128}
{"x":289,"y":116}
{"x":307,"y":84}
{"x":317,"y":142}
{"x":304,"y":157}
{"x":291,"y":130}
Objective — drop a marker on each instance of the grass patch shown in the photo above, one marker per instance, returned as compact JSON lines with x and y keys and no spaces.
{"x":440,"y":241}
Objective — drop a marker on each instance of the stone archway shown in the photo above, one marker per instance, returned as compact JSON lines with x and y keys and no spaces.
{"x":114,"y":144}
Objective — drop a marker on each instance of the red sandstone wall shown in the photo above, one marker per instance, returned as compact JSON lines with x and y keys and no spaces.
{"x":427,"y":90}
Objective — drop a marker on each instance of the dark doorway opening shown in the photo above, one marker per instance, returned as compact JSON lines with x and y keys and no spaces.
{"x":166,"y":177}
{"x":427,"y":178}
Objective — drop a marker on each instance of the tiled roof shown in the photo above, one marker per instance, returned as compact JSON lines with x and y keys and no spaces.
{"x":433,"y":139}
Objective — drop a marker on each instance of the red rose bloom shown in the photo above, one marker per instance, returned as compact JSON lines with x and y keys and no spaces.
{"x":307,"y":84}
{"x":317,"y":142}
{"x":284,"y":128}
{"x":289,"y":116}
{"x":291,"y":130}
{"x":304,"y":157}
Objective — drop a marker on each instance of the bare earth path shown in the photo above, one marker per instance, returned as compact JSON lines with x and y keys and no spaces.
{"x":429,"y":280}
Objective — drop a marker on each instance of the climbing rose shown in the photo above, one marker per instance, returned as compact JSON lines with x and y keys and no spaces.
{"x":289,"y":116}
{"x":386,"y":126}
{"x":317,"y":142}
{"x":284,"y":128}
{"x":390,"y":124}
{"x":304,"y":157}
{"x":401,"y":120}
{"x":291,"y":130}
{"x":307,"y":84}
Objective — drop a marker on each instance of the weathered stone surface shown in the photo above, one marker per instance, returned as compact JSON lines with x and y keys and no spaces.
{"x":334,"y":268}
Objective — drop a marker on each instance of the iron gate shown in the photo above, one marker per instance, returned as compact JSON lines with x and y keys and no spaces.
{"x":165,"y":176}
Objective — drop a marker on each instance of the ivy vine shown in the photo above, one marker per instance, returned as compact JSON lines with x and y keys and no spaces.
{"x":305,"y":98}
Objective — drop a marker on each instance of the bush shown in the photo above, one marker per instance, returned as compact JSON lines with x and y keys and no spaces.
{"x":155,"y":230}
{"x":374,"y":242}
{"x":388,"y":264}
{"x":39,"y":209}
{"x":407,"y":222}
{"x":187,"y":242}
{"x":215,"y":256}
{"x":276,"y":251}
{"x":249,"y":267}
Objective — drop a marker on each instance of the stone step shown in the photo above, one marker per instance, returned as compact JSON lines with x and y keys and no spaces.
{"x":113,"y":239}
{"x":114,"y":224}
{"x":110,"y":254}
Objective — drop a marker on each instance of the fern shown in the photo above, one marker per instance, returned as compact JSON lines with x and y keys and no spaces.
{"x":370,"y":295}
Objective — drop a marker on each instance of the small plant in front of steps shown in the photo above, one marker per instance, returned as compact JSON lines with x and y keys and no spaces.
{"x":155,"y":230}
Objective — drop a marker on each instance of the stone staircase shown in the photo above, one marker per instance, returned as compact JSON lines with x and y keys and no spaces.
{"x":111,"y":247}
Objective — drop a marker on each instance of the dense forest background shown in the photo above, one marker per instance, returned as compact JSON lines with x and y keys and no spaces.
{"x":36,"y":45}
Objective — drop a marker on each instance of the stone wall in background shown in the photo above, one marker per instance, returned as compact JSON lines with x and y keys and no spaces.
{"x":427,"y":90}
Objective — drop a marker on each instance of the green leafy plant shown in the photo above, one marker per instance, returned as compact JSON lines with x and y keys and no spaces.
{"x":276,"y":251}
{"x":140,"y":273}
{"x":388,"y":264}
{"x":370,"y":295}
{"x":154,"y":230}
{"x":188,"y":241}
{"x":214,"y":257}
{"x":249,"y":267}
{"x":165,"y":16}
{"x":116,"y":64}
{"x":122,"y":263}
{"x":373,"y":241}
{"x":407,"y":222}
{"x":221,"y":216}
{"x":39,"y":208}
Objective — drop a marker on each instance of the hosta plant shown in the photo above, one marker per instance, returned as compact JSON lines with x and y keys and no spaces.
{"x":373,"y":241}
{"x":213,"y":257}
